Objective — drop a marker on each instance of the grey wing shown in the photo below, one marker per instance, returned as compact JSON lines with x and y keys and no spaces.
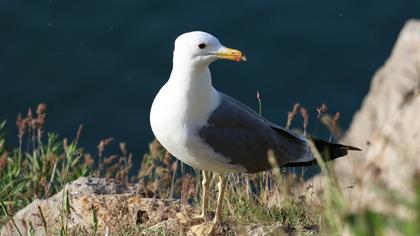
{"x":244,"y":137}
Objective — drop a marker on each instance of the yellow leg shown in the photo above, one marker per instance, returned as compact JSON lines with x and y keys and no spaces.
{"x":206,"y":186}
{"x":216,"y":221}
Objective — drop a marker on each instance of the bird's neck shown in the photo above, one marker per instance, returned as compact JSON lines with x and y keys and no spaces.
{"x":192,"y":88}
{"x":193,"y":80}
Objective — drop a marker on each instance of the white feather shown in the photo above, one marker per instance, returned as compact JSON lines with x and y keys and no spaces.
{"x":182,"y":106}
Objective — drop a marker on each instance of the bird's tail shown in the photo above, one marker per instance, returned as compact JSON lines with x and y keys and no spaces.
{"x":328,"y":151}
{"x":331,"y":151}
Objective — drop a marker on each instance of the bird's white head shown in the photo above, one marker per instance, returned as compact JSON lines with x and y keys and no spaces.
{"x":200,"y":49}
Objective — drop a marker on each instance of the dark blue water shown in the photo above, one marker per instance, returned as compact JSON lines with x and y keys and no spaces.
{"x":100,"y":63}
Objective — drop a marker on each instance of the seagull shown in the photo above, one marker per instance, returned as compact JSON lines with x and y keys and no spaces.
{"x":213,"y":132}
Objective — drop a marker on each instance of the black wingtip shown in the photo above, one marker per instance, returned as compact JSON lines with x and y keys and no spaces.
{"x":350,"y":148}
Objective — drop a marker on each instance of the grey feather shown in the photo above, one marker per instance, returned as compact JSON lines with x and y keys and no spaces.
{"x":244,"y":137}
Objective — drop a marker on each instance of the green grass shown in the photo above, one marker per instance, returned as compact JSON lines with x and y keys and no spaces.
{"x":277,"y":204}
{"x":42,"y":164}
{"x":39,"y":172}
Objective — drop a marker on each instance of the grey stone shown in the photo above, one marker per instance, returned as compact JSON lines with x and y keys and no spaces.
{"x":387,"y":128}
{"x":119,"y":207}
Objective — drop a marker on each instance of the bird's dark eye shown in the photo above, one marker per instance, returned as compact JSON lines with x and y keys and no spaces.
{"x":202,"y":45}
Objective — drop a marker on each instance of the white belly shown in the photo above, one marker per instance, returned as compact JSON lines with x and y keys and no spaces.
{"x":175,"y":125}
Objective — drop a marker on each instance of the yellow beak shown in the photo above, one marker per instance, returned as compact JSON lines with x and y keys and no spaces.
{"x":231,"y":54}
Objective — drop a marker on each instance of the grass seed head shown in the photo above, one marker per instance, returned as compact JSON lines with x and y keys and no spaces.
{"x":291,"y":115}
{"x":322,"y":109}
{"x":305,"y":116}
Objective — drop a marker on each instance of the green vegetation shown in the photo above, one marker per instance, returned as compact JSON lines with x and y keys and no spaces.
{"x":39,"y":168}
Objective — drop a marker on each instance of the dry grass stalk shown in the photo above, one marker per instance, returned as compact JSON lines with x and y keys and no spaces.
{"x":305,"y":116}
{"x":321,"y":110}
{"x":79,"y":133}
{"x":259,"y":99}
{"x":291,"y":115}
{"x":334,"y":125}
{"x":3,"y":160}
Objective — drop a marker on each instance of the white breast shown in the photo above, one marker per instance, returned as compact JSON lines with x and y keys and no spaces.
{"x":178,"y":111}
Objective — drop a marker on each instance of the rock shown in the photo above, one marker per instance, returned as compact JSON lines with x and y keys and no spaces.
{"x":263,"y":230}
{"x":119,"y":208}
{"x":387,"y":128}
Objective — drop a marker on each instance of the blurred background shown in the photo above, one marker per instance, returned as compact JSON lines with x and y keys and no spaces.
{"x":100,"y":63}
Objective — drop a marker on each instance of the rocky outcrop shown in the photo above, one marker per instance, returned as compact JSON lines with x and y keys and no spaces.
{"x":98,"y":205}
{"x":387,"y":128}
{"x":106,"y":207}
